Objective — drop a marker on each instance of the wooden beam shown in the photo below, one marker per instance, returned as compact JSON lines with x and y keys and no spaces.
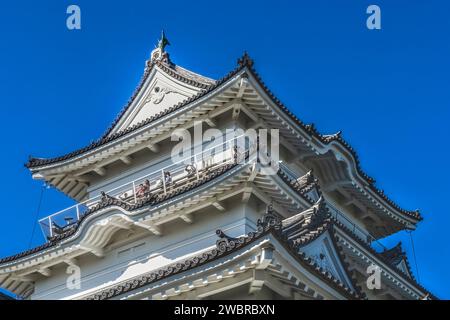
{"x":69,"y":187}
{"x":218,"y":205}
{"x":247,"y":193}
{"x":99,"y":252}
{"x":45,"y":272}
{"x":210,"y":122}
{"x":72,"y":262}
{"x":188,"y":218}
{"x":242,"y":86}
{"x":236,"y":111}
{"x":77,"y":194}
{"x":250,"y":113}
{"x":254,"y":172}
{"x":153,"y":148}
{"x":76,"y":190}
{"x":156,"y":230}
{"x":100,"y":171}
{"x":126,"y":159}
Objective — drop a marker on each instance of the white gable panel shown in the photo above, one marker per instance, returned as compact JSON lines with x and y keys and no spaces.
{"x":323,"y":252}
{"x":159,"y":92}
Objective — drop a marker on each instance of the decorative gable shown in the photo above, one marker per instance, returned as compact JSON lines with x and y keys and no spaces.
{"x":163,"y":86}
{"x":325,"y":255}
{"x":160,"y":93}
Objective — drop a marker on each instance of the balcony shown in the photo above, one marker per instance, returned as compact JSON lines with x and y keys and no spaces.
{"x":175,"y":176}
{"x":157,"y":183}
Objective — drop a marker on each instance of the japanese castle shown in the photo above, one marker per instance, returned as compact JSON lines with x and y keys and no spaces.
{"x":231,"y":218}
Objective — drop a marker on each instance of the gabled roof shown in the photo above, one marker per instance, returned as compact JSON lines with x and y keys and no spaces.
{"x":296,"y":231}
{"x":307,"y":225}
{"x":245,"y":62}
{"x":384,"y":259}
{"x":397,"y":257}
{"x":308,"y":181}
{"x":174,"y":71}
{"x":268,"y":224}
{"x":108,"y":201}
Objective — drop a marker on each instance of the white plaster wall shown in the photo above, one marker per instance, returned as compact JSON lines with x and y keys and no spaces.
{"x":178,"y":241}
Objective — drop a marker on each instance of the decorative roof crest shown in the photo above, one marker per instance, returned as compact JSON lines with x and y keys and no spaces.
{"x":159,"y":53}
{"x":245,"y":60}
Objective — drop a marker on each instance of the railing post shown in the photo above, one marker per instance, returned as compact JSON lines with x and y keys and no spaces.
{"x":134,"y":192}
{"x":78,"y":212}
{"x":196,"y":167}
{"x":163,"y":181}
{"x":50,"y":226}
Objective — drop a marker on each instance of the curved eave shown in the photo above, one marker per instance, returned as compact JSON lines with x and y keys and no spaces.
{"x":318,"y":143}
{"x":352,"y":241}
{"x":223,"y":249}
{"x":37,"y":164}
{"x":280,"y":193}
{"x":127,"y":212}
{"x":310,"y":136}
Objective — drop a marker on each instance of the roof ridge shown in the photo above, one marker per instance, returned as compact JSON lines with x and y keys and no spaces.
{"x":225,"y":245}
{"x":109,"y":201}
{"x":35,"y":162}
{"x":243,"y":62}
{"x":378,"y":255}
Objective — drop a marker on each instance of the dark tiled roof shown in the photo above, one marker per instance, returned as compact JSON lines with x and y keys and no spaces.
{"x":395,"y":255}
{"x":269,"y":223}
{"x":106,"y":138}
{"x":342,"y":257}
{"x":301,"y":189}
{"x":338,"y":137}
{"x":303,"y":185}
{"x":326,"y":139}
{"x":307,"y":225}
{"x":174,"y":71}
{"x":380,"y":256}
{"x":244,"y":62}
{"x":110,"y":201}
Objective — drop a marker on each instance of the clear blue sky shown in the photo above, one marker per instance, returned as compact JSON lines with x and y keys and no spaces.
{"x":388,"y":90}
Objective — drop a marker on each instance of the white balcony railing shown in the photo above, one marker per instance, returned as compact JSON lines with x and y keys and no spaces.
{"x":176,"y":175}
{"x":161,"y":181}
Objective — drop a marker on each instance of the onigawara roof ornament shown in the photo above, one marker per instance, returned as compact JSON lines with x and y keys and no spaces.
{"x":163,"y":42}
{"x":159,"y":52}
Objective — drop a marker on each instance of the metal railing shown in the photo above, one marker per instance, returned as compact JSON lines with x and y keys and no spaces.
{"x":174,"y":176}
{"x":161,"y":181}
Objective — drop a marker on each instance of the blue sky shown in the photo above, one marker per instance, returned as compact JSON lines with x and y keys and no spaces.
{"x":388,"y":90}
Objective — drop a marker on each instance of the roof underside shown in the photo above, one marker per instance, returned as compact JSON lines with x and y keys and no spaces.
{"x":207,"y":86}
{"x":298,"y":230}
